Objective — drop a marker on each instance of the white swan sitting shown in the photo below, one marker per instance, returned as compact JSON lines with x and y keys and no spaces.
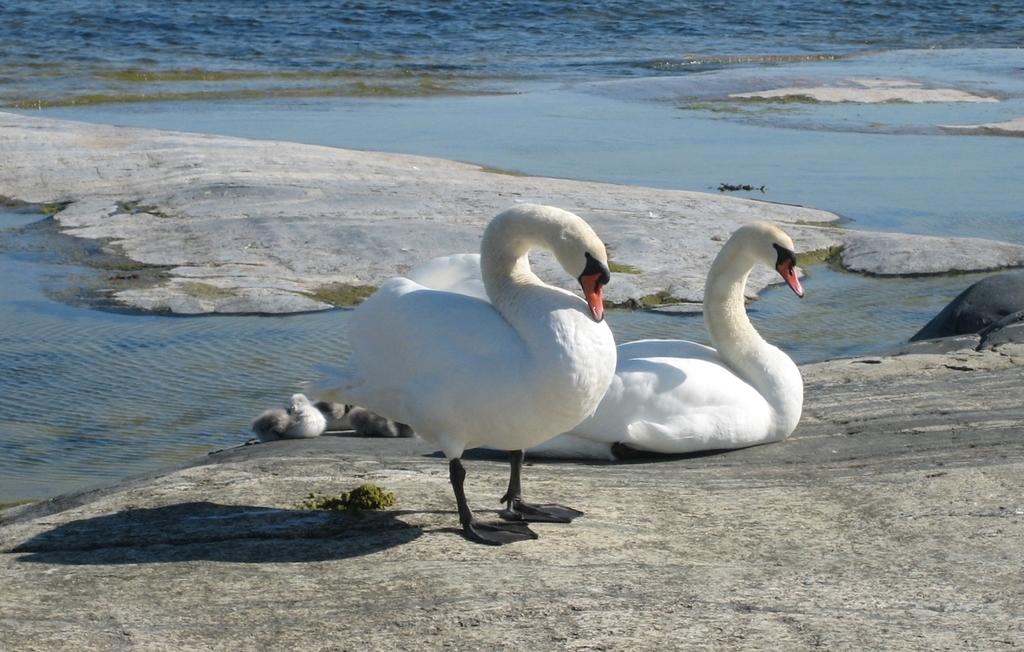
{"x":674,"y":396}
{"x":508,"y":374}
{"x":300,"y":421}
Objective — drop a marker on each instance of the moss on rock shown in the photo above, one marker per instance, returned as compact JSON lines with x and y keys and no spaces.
{"x":370,"y":496}
{"x":53,"y":208}
{"x":365,"y":497}
{"x":342,"y":295}
{"x":205,"y":290}
{"x":622,"y":268}
{"x":815,"y":256}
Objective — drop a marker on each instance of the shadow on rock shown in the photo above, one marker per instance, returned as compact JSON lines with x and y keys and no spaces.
{"x":212,"y":532}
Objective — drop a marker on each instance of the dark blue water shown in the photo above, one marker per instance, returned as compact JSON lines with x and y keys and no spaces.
{"x":72,"y":46}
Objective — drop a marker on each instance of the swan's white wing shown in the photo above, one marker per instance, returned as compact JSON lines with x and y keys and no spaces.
{"x":459,"y":273}
{"x":421,"y":356}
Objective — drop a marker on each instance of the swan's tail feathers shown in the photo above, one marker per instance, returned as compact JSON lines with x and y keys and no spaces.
{"x":673,"y":436}
{"x":334,"y":385}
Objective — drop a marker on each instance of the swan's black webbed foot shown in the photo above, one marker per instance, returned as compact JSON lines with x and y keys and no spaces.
{"x":492,"y":535}
{"x":517,"y":510}
{"x":497,"y":534}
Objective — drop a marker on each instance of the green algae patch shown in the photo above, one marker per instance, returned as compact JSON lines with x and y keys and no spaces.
{"x":365,"y":497}
{"x":135,"y":207}
{"x":489,"y":169}
{"x":205,"y":290}
{"x":14,"y":503}
{"x":826,"y":255}
{"x":622,"y":268}
{"x":662,"y":298}
{"x":53,"y":208}
{"x":714,"y":107}
{"x":341,"y":295}
{"x":657,"y":299}
{"x":796,"y":98}
{"x":421,"y":87}
{"x":138,"y":75}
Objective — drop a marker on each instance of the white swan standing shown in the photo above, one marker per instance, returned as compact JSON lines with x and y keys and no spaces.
{"x":508,"y":374}
{"x":675,"y":396}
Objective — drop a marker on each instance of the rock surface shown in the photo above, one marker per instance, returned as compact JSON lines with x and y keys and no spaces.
{"x":1013,"y":127}
{"x":868,"y":91}
{"x":892,"y":519}
{"x":259,"y":226}
{"x":980,"y":306}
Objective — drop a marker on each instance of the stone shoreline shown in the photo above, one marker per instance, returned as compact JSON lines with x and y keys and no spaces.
{"x":891,"y":519}
{"x":239,"y":225}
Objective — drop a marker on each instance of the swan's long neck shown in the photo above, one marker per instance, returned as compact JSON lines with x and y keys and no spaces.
{"x":569,"y":358}
{"x":770,"y":371}
{"x":503,"y":257}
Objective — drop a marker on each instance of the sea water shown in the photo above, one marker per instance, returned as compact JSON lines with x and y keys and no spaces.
{"x":624,"y":92}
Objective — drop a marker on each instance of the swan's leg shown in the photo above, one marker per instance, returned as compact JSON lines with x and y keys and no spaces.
{"x":519,"y":511}
{"x":494,"y":535}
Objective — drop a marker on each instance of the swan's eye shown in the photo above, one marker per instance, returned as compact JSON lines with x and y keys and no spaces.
{"x":594,"y":266}
{"x":784,"y":255}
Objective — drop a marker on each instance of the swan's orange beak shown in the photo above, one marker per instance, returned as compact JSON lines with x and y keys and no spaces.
{"x":787,"y":270}
{"x":593,"y":292}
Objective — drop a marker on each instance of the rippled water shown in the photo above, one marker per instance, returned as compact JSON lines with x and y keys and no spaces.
{"x":81,"y":48}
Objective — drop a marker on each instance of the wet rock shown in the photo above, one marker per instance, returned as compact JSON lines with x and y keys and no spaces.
{"x":970,"y":341}
{"x":980,"y":306}
{"x":1013,"y":127}
{"x":1007,"y":330}
{"x":242,"y":225}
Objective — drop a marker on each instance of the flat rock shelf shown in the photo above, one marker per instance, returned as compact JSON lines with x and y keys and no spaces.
{"x":244,"y":226}
{"x":892,"y":519}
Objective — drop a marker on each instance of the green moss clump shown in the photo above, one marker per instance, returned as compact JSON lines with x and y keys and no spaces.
{"x":322,"y":503}
{"x":370,"y":496}
{"x":622,"y":268}
{"x":342,"y":295}
{"x":363,"y":498}
{"x":205,"y":290}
